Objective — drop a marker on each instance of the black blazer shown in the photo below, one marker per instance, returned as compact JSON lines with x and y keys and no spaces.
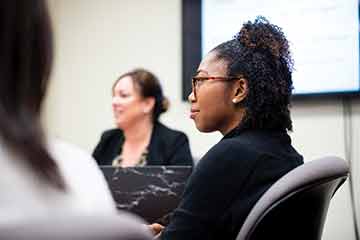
{"x":167,"y":147}
{"x":228,"y":181}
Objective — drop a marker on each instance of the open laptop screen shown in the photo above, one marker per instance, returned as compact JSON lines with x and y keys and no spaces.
{"x":152,"y":192}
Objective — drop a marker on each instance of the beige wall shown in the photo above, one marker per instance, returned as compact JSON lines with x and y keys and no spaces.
{"x":98,"y":40}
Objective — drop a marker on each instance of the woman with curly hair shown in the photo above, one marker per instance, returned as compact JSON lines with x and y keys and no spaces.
{"x":242,"y":88}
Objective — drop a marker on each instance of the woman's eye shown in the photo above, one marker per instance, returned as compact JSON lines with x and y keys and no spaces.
{"x":199,"y":82}
{"x":124,"y":95}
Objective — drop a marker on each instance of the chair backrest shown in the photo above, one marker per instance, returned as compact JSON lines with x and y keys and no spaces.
{"x":295,"y":206}
{"x":115,"y":227}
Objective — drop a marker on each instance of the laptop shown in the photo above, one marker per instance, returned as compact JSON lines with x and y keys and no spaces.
{"x":151,"y":192}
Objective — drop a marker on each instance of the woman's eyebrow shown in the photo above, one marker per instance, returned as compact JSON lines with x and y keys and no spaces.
{"x":200,"y":70}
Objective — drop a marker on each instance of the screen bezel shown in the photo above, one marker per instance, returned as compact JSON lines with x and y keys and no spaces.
{"x":191,"y":53}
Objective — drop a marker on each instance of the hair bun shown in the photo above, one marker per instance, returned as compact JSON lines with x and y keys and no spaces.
{"x":165,"y":104}
{"x":262,"y":35}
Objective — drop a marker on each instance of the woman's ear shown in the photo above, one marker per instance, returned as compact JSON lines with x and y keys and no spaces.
{"x":240,"y":90}
{"x":148,"y":104}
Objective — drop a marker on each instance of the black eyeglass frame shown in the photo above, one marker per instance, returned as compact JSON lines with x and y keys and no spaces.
{"x":195,"y":80}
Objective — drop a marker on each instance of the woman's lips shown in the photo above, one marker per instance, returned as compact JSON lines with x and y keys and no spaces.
{"x":193,"y":112}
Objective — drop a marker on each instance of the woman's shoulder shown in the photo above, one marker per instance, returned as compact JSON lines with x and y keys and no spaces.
{"x":245,"y":150}
{"x":63,"y":151}
{"x":233,"y":146}
{"x":72,"y":160}
{"x":113,"y":132}
{"x":168,"y":133}
{"x":81,"y":173}
{"x":230,"y":153}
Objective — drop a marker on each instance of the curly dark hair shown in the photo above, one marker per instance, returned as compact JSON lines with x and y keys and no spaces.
{"x":260,"y":53}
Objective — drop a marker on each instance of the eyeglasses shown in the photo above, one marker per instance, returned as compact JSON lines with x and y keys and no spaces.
{"x":197,"y":81}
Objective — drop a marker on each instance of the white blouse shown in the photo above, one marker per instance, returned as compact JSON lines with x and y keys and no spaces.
{"x":23,"y":195}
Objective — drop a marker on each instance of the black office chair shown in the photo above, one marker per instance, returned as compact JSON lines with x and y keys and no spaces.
{"x":75,"y":227}
{"x":295,"y":207}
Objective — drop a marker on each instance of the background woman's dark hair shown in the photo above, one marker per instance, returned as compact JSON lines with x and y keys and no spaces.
{"x":260,"y":53}
{"x":149,"y":86}
{"x":25,"y":62}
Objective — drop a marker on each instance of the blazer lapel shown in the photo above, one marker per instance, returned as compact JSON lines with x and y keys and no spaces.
{"x":156,"y":147}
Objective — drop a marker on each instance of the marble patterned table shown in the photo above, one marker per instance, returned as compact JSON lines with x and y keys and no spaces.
{"x":151,"y":192}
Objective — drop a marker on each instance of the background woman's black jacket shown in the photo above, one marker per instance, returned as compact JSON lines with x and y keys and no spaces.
{"x":167,"y":147}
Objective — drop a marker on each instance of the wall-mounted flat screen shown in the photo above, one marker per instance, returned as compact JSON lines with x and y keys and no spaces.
{"x":323,"y":36}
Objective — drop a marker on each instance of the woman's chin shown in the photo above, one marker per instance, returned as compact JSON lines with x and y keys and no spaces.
{"x":119,"y":124}
{"x":203,"y":128}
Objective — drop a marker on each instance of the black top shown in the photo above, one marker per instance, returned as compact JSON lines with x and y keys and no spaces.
{"x":167,"y":147}
{"x":228,"y":181}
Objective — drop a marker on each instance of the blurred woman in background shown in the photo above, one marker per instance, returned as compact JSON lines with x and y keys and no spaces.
{"x":39,"y":177}
{"x":140,"y":139}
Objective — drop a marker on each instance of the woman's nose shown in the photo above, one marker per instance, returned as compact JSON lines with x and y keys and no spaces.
{"x":191,"y":97}
{"x":115,"y":100}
